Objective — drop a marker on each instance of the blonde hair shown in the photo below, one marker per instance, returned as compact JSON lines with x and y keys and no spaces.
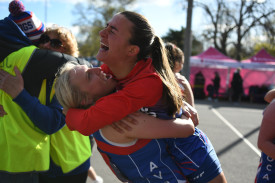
{"x":68,"y":95}
{"x":68,"y":40}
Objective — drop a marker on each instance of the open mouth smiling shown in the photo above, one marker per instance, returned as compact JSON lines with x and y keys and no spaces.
{"x":105,"y":76}
{"x":104,"y":47}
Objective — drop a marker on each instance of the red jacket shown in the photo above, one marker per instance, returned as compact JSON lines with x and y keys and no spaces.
{"x":142,"y":87}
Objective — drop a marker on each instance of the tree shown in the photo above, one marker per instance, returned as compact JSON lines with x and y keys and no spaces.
{"x":93,"y":16}
{"x":234,"y":21}
{"x":177,"y":37}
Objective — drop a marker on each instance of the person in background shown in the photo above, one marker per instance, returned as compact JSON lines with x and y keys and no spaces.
{"x":237,"y":86}
{"x":176,"y":60}
{"x":60,"y":39}
{"x":266,"y":143}
{"x":216,"y":86}
{"x":199,"y":83}
{"x":26,"y":20}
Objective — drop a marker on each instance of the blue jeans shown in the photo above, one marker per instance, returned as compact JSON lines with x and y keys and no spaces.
{"x":28,"y":177}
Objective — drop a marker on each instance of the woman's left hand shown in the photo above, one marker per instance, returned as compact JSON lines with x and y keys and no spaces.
{"x":125,"y":124}
{"x":12,"y":85}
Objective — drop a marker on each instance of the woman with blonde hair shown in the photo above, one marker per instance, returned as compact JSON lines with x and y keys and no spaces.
{"x":61,"y":39}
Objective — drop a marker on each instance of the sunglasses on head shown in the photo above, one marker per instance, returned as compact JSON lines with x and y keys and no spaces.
{"x":55,"y":43}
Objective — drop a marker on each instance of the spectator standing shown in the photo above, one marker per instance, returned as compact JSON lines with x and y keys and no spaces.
{"x":176,"y":60}
{"x":237,"y":86}
{"x":216,"y":86}
{"x":199,"y":86}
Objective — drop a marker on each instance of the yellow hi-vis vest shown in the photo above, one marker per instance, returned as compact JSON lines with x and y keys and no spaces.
{"x":24,"y":147}
{"x":69,"y":149}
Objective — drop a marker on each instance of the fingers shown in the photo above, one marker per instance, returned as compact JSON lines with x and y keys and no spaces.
{"x":123,"y":124}
{"x":64,"y":111}
{"x":2,"y":111}
{"x":17,"y":71}
{"x":3,"y":76}
{"x":130,"y":119}
{"x":115,"y":127}
{"x":191,"y":112}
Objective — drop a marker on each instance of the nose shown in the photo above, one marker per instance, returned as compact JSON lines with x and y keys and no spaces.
{"x":94,"y":70}
{"x":47,"y":45}
{"x":102,"y":33}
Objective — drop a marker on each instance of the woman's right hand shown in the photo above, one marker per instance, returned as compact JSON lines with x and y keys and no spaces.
{"x":2,"y":111}
{"x":191,"y":112}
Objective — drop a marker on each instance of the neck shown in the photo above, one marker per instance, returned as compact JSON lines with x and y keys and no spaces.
{"x":123,"y":69}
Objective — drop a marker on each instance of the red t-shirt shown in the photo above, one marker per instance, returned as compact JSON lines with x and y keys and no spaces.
{"x":142,"y":87}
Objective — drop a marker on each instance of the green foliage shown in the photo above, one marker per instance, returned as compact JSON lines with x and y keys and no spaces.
{"x":268,"y":47}
{"x":177,"y":37}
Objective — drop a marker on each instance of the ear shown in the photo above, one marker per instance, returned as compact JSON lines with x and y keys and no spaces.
{"x":133,"y":50}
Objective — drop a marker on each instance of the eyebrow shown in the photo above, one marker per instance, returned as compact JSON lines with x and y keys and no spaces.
{"x":112,"y":27}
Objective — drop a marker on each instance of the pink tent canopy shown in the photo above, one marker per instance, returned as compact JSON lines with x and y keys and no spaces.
{"x":262,"y":56}
{"x":209,"y":62}
{"x":259,"y":70}
{"x":261,"y":61}
{"x":213,"y":58}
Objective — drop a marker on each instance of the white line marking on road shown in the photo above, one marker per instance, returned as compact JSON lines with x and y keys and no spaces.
{"x":237,"y":132}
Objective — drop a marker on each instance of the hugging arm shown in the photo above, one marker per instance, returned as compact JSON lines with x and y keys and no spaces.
{"x":49,"y":118}
{"x":187,"y":89}
{"x":267,"y":132}
{"x":270,"y":95}
{"x":149,"y":127}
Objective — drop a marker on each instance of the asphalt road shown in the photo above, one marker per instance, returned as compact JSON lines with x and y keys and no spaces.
{"x":233,"y":130}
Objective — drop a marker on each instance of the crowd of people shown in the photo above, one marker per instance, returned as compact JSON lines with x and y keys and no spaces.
{"x":137,"y":106}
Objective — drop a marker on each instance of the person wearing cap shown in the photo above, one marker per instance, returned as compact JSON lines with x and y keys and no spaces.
{"x":25,"y":148}
{"x":26,"y":20}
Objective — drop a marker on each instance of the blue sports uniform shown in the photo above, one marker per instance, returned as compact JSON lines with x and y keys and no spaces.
{"x":194,"y":155}
{"x":141,"y":161}
{"x":266,"y":170}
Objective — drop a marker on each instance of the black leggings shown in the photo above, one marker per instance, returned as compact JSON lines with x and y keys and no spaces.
{"x":79,"y":178}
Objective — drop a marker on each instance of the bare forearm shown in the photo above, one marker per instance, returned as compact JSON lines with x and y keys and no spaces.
{"x":150,"y":127}
{"x":189,"y":95}
{"x":268,"y":148}
{"x":267,"y":132}
{"x":270,"y":95}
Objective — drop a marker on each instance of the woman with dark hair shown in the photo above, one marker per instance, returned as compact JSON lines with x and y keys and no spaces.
{"x":136,"y":58}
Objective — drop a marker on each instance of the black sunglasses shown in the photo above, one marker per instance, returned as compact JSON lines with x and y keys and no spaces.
{"x":55,"y":43}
